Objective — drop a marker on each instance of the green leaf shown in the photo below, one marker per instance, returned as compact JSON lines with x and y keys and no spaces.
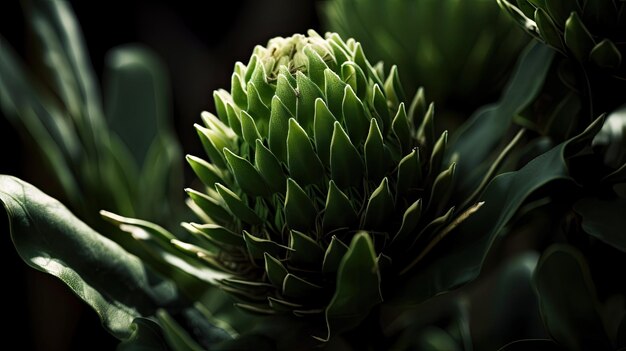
{"x":246,"y":175}
{"x":208,"y":173}
{"x":401,"y":128}
{"x":305,"y":251}
{"x":116,"y":284}
{"x":210,"y":206}
{"x":568,"y":301}
{"x":380,"y":206}
{"x":315,"y":66}
{"x":358,"y":287}
{"x":333,"y":255}
{"x":354,"y":116}
{"x":474,"y":236}
{"x":279,"y":125}
{"x":217,"y":233}
{"x":376,"y":159}
{"x":54,"y":134}
{"x":298,"y":288}
{"x":237,"y":206}
{"x":299,"y":210}
{"x":548,"y":29}
{"x":238,"y":92}
{"x":481,"y":134}
{"x":379,"y":102}
{"x":137,"y":98}
{"x":577,"y":38}
{"x":257,"y":247}
{"x":276,"y":271}
{"x":248,"y":129}
{"x":146,"y":335}
{"x":339,"y":212}
{"x":323,"y":130}
{"x":308,"y":92}
{"x":334,"y":88}
{"x":561,"y":10}
{"x":256,"y":108}
{"x":270,"y":168}
{"x":410,"y":219}
{"x":304,"y":165}
{"x":409,"y":173}
{"x":346,"y":165}
{"x":604,"y":219}
{"x":393,"y":87}
{"x":177,"y":337}
{"x":606,"y":55}
{"x":286,"y":94}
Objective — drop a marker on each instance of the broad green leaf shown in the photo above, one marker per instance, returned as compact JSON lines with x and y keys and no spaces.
{"x":358,"y":287}
{"x":116,"y":284}
{"x":568,"y":301}
{"x":604,"y":219}
{"x":481,"y":134}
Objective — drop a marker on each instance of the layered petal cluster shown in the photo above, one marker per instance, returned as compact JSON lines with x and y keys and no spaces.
{"x":319,"y":178}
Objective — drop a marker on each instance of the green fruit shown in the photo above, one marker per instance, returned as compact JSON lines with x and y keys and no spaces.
{"x":320,"y":179}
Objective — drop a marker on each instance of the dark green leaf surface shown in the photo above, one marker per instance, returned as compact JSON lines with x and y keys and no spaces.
{"x":568,"y":301}
{"x":116,"y":284}
{"x":482,"y":133}
{"x":604,"y":219}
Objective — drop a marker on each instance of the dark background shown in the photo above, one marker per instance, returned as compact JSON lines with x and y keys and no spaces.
{"x":199,"y":45}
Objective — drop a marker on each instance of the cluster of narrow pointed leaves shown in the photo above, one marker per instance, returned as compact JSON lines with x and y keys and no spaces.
{"x":319,"y":179}
{"x":591,"y":31}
